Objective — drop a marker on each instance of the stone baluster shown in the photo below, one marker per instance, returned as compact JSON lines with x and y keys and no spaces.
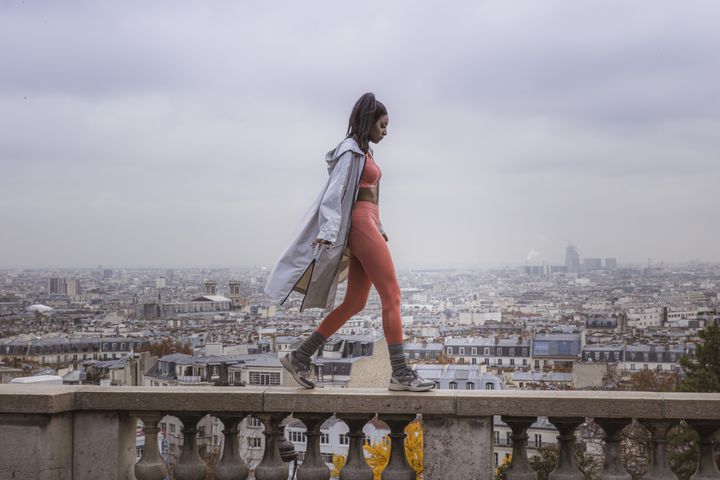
{"x":566,"y":468}
{"x":659,"y":468}
{"x":313,"y":467}
{"x":272,"y":467}
{"x":398,"y":467}
{"x":231,"y":466}
{"x":356,"y":468}
{"x":190,"y":466}
{"x":151,"y":465}
{"x":613,"y":468}
{"x":707,"y":468}
{"x":519,"y":468}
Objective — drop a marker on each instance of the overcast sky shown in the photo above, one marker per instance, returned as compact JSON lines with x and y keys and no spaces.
{"x":180,"y":133}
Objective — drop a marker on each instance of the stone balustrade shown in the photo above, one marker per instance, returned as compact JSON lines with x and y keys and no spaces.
{"x":85,"y":432}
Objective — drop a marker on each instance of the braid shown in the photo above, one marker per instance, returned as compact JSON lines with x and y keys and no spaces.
{"x":365,"y":112}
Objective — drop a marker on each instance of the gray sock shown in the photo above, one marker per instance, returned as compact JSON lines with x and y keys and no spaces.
{"x":398,"y":362}
{"x":310,"y":346}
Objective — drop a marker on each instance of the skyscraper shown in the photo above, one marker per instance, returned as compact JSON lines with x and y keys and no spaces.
{"x":572,"y":259}
{"x":72,"y":287}
{"x":57,"y":286}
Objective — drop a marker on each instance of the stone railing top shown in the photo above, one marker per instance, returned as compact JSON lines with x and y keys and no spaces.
{"x":49,"y":399}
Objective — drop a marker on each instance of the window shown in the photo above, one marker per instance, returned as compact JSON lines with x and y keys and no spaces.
{"x":487,"y":361}
{"x":297,"y":436}
{"x":453,"y":385}
{"x":508,"y":438}
{"x":326,"y":457}
{"x":470,"y":386}
{"x":264,"y":378}
{"x":254,"y":442}
{"x":538,"y":440}
{"x":564,"y":347}
{"x":497,"y":437}
{"x":524,"y":350}
{"x":524,"y":362}
{"x":542,"y":347}
{"x":473,"y":350}
{"x":461,"y":350}
{"x":324,"y":439}
{"x":499,"y":361}
{"x":201,"y":431}
{"x":366,"y":439}
{"x":489,"y":386}
{"x":254,"y":422}
{"x":449,"y":350}
{"x":512,"y":352}
{"x":344,"y":439}
{"x":645,"y":366}
{"x":498,"y":351}
{"x":497,"y":460}
{"x":512,"y":361}
{"x":632,"y":366}
{"x":537,"y":363}
{"x":163,"y":426}
{"x":486,"y":351}
{"x":172,"y":428}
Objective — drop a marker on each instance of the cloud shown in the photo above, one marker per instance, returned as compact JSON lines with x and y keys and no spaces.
{"x":181,"y":132}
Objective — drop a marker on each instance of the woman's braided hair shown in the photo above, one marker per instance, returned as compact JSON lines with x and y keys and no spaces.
{"x":364,"y":114}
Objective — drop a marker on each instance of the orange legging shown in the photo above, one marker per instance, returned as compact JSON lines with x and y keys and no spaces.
{"x":370,"y":262}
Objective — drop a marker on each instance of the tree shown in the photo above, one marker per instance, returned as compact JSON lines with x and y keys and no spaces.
{"x":165,"y":347}
{"x":379,"y":453}
{"x":703,"y":372}
{"x":649,"y":381}
{"x":544,"y":461}
{"x":338,"y":464}
{"x":501,"y":471}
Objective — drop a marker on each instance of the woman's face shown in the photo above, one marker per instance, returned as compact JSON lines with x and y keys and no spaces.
{"x":379,"y":129}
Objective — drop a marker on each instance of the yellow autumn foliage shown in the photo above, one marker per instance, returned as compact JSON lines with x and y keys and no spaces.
{"x":338,"y":463}
{"x":379,"y":453}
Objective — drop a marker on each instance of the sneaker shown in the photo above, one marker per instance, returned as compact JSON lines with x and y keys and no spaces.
{"x":411,"y":381}
{"x":300,"y":370}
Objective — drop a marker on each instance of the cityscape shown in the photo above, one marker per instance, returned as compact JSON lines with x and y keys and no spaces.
{"x":590,"y":324}
{"x":200,"y":280}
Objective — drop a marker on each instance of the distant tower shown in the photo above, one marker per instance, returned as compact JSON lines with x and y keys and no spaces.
{"x":234,"y":286}
{"x":210,"y":287}
{"x":73,"y":287}
{"x":572,"y":259}
{"x":57,"y":286}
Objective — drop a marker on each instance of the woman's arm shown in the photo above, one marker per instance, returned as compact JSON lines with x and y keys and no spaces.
{"x":330,"y":211}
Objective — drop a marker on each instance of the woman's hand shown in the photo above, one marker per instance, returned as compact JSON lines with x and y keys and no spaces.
{"x":320,"y":241}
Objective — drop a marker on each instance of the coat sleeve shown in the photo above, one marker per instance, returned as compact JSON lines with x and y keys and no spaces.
{"x":330,"y":211}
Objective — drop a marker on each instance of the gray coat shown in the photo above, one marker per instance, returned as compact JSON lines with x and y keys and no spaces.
{"x":316,"y":271}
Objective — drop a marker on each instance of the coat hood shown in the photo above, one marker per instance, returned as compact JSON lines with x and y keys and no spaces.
{"x":347,"y":144}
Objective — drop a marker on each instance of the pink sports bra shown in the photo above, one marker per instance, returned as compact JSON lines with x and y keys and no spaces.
{"x":371,"y":173}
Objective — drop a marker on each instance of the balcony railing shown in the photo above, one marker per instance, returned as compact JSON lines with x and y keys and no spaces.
{"x":83,"y":433}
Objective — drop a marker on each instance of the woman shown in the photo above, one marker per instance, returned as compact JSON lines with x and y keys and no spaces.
{"x":342,"y":234}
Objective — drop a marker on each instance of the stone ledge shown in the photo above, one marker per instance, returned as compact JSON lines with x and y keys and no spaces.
{"x":51,"y":399}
